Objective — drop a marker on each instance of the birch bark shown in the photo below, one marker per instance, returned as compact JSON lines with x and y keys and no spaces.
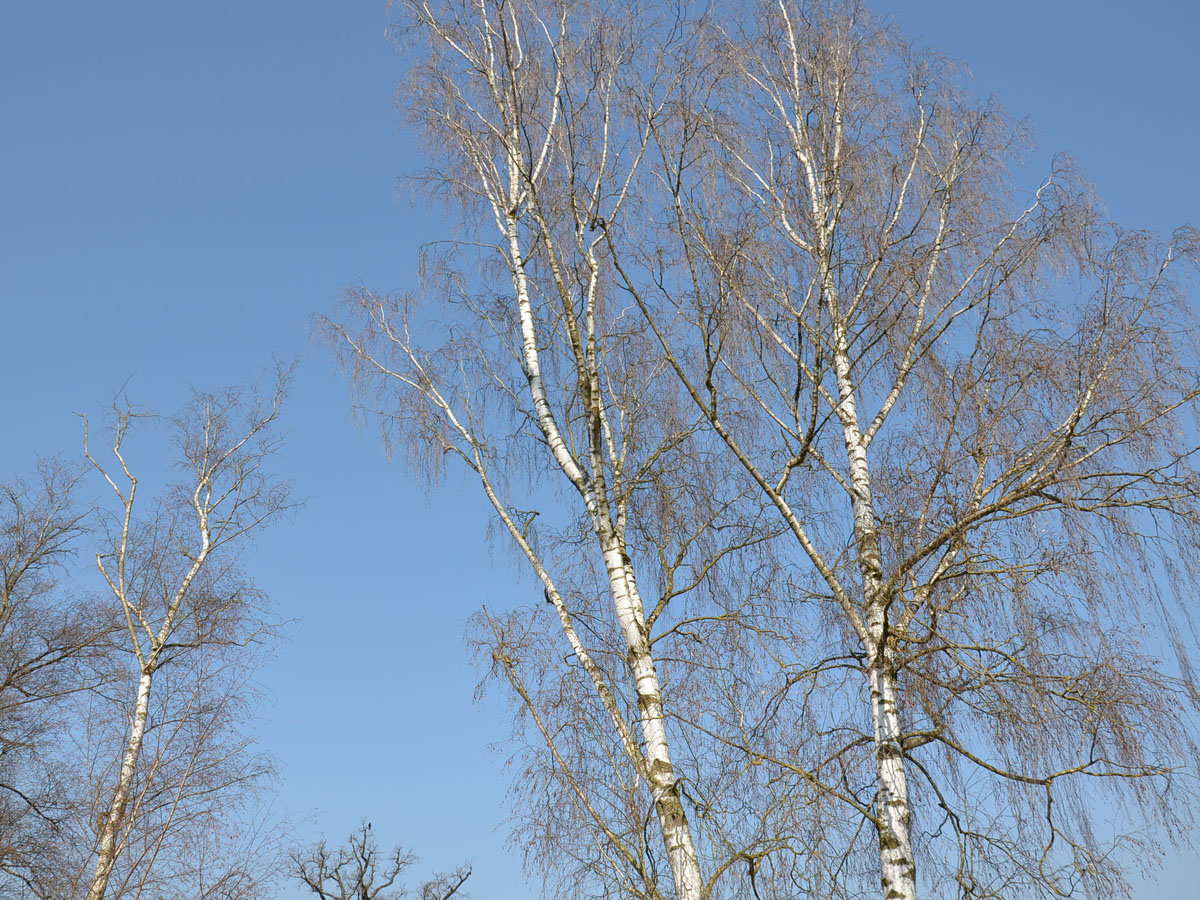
{"x":672,"y":817}
{"x":892,"y":810}
{"x":114,"y":818}
{"x":627,"y":602}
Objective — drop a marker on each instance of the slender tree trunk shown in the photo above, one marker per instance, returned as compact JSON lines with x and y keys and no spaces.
{"x":668,"y":804}
{"x":897,"y":866}
{"x":898,"y":870}
{"x":672,"y":817}
{"x":115,"y":816}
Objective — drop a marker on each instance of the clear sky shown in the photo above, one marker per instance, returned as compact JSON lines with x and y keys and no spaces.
{"x":182,"y":185}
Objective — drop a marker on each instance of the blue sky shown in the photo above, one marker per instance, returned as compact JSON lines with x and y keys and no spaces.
{"x":183,"y":185}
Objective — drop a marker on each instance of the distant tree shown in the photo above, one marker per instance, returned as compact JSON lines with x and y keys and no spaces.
{"x":167,"y":805}
{"x":358,"y":870}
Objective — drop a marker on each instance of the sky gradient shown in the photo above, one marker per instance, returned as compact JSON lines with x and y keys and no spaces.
{"x":183,"y":185}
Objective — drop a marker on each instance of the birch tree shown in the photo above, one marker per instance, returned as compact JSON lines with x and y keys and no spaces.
{"x":190,"y":620}
{"x":964,"y":406}
{"x":972,"y":408}
{"x":521,"y":369}
{"x":552,"y":321}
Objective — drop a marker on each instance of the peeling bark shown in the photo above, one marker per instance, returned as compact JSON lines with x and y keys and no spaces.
{"x":898,"y":871}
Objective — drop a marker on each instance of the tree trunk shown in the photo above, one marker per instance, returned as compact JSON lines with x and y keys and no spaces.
{"x":115,"y":816}
{"x":672,"y":817}
{"x":897,"y":867}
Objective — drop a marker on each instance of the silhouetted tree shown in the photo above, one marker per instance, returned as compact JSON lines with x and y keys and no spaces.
{"x":358,"y":870}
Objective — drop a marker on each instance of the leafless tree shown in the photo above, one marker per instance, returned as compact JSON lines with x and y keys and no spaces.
{"x":555,"y":399}
{"x":52,"y":646}
{"x":173,"y":806}
{"x":548,"y":366}
{"x":973,"y":410}
{"x":966,"y":408}
{"x":359,"y":871}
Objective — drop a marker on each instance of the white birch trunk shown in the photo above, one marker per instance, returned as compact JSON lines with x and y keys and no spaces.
{"x":115,"y":816}
{"x":897,"y":866}
{"x":672,"y":817}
